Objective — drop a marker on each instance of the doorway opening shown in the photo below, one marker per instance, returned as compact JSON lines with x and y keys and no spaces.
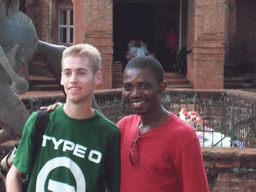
{"x":156,"y":24}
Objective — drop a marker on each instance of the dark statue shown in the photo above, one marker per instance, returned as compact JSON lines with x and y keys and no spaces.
{"x":18,"y":43}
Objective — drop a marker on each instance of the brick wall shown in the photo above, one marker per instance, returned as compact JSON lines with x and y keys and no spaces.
{"x":230,"y":169}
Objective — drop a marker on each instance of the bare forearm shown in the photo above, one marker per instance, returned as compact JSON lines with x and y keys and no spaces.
{"x":14,"y":186}
{"x":13,"y":180}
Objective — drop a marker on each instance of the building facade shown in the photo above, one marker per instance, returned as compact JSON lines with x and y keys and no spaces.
{"x":213,"y":30}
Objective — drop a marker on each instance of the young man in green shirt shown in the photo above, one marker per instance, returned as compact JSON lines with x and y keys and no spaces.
{"x":80,"y":148}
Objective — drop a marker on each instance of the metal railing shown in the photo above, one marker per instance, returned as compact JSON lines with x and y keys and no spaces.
{"x":228,"y":118}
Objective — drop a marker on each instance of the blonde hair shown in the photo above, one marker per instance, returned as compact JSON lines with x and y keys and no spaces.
{"x":84,"y":50}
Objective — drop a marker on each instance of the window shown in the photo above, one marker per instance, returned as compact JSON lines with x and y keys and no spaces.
{"x":66,"y":26}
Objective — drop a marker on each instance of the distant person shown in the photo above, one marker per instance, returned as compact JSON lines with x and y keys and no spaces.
{"x":170,"y":40}
{"x":159,"y":151}
{"x":80,"y":148}
{"x":137,"y":48}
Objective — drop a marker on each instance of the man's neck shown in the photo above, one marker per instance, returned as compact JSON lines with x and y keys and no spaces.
{"x":153,"y":120}
{"x":78,"y":111}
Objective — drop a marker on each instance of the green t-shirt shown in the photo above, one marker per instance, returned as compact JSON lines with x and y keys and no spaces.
{"x":75,"y":155}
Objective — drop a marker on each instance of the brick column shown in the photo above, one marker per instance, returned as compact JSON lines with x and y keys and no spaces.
{"x":94,"y":25}
{"x":206,"y":37}
{"x":79,"y":18}
{"x":44,"y":20}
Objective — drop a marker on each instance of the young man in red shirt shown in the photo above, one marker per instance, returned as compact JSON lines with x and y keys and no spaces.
{"x":159,"y":151}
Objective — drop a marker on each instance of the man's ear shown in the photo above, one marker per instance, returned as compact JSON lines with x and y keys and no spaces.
{"x":98,"y":78}
{"x":162,"y":86}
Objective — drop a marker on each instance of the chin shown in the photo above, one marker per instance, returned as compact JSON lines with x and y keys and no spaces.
{"x":76,"y":100}
{"x":139,"y":112}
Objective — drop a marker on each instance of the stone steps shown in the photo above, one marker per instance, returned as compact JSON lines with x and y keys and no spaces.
{"x":174,"y":75}
{"x":42,"y":83}
{"x":177,"y":81}
{"x":174,"y":80}
{"x":41,"y":79}
{"x":37,"y":67}
{"x":247,"y":80}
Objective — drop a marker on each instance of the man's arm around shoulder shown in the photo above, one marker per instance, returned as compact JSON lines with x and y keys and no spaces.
{"x":13,"y":180}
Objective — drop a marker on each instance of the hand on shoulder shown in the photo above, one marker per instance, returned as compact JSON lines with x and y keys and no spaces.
{"x":51,"y":107}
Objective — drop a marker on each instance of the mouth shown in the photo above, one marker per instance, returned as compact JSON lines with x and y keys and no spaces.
{"x":74,"y":89}
{"x":137,"y":104}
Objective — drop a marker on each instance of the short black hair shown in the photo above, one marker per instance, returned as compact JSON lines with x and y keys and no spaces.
{"x":147,"y":62}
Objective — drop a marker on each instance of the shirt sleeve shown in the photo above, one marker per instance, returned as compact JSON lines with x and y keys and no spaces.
{"x":113,"y":162}
{"x":191,"y":169}
{"x":24,"y":157}
{"x":122,"y":122}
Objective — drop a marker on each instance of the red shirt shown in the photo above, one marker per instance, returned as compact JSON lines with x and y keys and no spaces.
{"x":170,"y":158}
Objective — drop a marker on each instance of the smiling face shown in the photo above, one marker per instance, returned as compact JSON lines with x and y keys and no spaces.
{"x":142,"y":91}
{"x":78,"y":79}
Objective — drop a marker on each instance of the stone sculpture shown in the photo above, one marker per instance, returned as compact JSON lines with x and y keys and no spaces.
{"x":18,"y":42}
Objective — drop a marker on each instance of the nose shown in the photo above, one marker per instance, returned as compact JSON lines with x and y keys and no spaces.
{"x":134,"y":92}
{"x":73,"y":78}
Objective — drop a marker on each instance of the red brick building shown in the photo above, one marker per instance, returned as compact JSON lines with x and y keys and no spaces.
{"x":219,"y":32}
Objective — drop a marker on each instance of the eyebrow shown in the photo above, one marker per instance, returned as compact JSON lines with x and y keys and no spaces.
{"x":79,"y":69}
{"x":138,"y":82}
